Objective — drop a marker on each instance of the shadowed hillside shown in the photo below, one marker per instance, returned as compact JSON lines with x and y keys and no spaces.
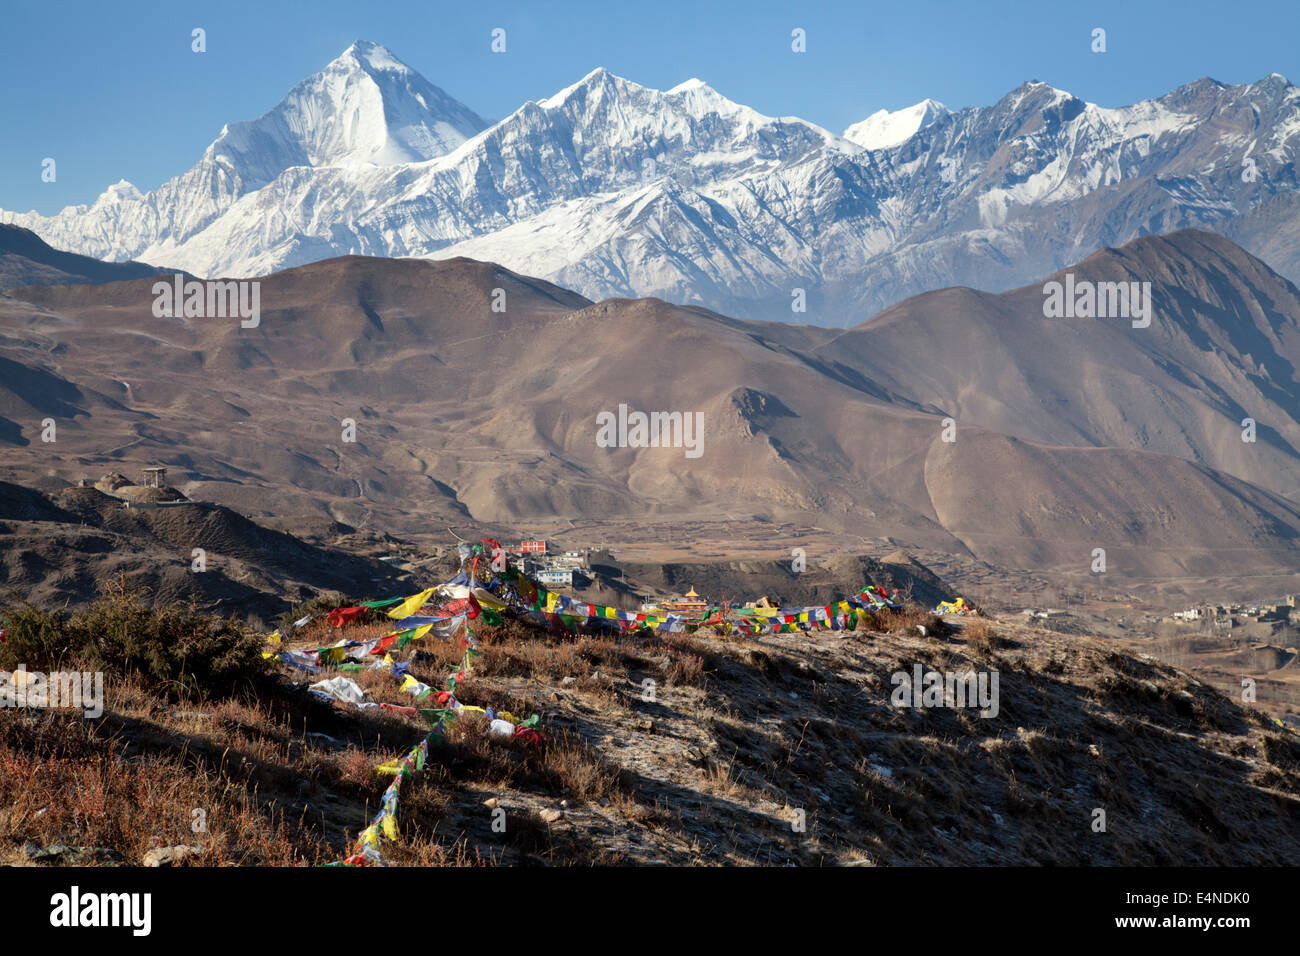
{"x":62,"y":549}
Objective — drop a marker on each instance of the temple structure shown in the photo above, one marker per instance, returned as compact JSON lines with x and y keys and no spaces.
{"x":691,"y":606}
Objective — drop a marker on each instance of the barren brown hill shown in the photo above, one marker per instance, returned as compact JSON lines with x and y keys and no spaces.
{"x":1223,"y":344}
{"x":65,"y":549}
{"x":27,"y":259}
{"x":464,"y":413}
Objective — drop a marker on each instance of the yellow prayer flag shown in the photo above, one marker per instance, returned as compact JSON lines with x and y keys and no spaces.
{"x":411,"y":605}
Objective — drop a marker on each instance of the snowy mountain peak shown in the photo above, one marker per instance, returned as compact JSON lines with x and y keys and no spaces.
{"x":365,"y":106}
{"x":370,"y":56}
{"x":1274,"y":82}
{"x":1036,"y":95}
{"x":703,"y":98}
{"x":602,"y":99}
{"x":884,"y":129}
{"x":597,"y":81}
{"x":120,"y":191}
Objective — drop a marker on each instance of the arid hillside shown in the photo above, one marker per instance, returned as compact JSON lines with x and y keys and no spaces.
{"x":405,"y":395}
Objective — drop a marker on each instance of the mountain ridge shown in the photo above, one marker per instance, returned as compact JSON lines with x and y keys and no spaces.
{"x":614,"y":189}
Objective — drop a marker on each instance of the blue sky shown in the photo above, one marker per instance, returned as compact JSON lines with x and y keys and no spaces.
{"x":112,"y":90}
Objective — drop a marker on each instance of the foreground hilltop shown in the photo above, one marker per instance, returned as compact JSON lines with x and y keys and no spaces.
{"x":786,"y":749}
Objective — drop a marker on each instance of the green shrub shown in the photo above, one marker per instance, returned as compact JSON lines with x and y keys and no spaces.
{"x":176,"y":649}
{"x":38,"y":639}
{"x":195,"y":655}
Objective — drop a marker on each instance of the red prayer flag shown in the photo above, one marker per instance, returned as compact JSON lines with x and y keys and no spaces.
{"x":344,"y":615}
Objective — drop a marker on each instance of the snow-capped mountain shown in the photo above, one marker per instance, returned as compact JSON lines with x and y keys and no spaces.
{"x":365,"y":107}
{"x":884,"y":129}
{"x":612,"y":188}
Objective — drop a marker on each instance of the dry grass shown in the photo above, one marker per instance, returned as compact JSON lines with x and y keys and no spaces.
{"x":904,"y":619}
{"x":981,"y":636}
{"x":60,"y":783}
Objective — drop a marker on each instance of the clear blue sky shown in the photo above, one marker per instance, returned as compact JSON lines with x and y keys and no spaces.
{"x":111,"y":90}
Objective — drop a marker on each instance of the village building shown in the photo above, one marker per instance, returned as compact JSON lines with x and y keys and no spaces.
{"x":558,"y":576}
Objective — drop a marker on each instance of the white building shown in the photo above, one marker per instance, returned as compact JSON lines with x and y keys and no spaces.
{"x":561,"y":576}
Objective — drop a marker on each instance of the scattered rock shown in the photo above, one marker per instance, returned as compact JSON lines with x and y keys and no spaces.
{"x":168,"y":855}
{"x":551,"y":815}
{"x":884,"y":771}
{"x":58,"y":854}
